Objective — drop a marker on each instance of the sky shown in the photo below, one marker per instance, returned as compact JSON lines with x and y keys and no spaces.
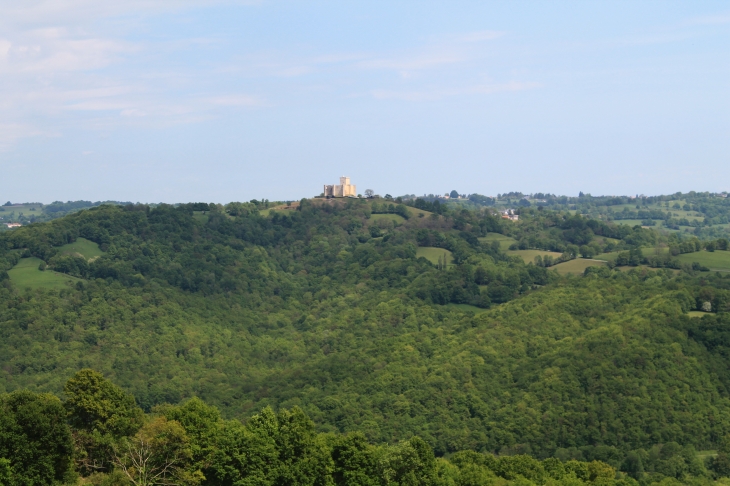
{"x":219,"y":101}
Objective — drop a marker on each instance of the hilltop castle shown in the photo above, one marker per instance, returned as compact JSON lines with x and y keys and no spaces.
{"x":343,"y":189}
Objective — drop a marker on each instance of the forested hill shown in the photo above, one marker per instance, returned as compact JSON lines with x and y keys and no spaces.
{"x":378,"y":318}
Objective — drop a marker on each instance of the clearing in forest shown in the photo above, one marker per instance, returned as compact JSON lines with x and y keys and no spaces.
{"x":432,"y":254}
{"x":576,"y":267}
{"x":416,"y":213}
{"x":714,"y":260}
{"x":466,"y":308}
{"x":396,"y":218}
{"x":529,"y":255}
{"x":504,"y":241}
{"x":82,"y":247}
{"x":26,"y":275}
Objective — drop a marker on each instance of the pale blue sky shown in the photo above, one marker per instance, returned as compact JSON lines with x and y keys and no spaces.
{"x":220,"y":101}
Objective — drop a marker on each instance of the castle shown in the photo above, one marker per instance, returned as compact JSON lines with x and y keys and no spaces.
{"x":343,"y":189}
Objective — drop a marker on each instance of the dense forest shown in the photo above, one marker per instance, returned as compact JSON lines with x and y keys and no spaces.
{"x":324,"y":344}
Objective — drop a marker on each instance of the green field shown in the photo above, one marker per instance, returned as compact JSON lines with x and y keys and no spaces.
{"x":697,"y":313}
{"x":529,"y":255}
{"x":415,"y":213}
{"x":630,"y":222}
{"x":718,"y":260}
{"x":466,"y":308}
{"x":576,"y":267}
{"x":26,"y":275}
{"x":202,"y":216}
{"x":611,"y":257}
{"x":83,"y":248}
{"x":714,"y":260}
{"x":26,"y":210}
{"x":396,"y":218}
{"x":504,"y":241}
{"x":676,"y":213}
{"x":432,"y":254}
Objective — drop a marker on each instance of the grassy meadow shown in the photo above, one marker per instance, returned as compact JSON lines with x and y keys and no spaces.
{"x":575,"y":267}
{"x":528,"y":256}
{"x":26,"y":275}
{"x":83,"y":248}
{"x":504,"y":241}
{"x":714,"y":260}
{"x":25,"y":210}
{"x":432,"y":254}
{"x":396,"y":218}
{"x":466,"y":308}
{"x":630,"y":222}
{"x":416,"y":213}
{"x":202,"y":216}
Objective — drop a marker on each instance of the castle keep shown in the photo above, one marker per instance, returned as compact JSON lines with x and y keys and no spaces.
{"x":343,"y":189}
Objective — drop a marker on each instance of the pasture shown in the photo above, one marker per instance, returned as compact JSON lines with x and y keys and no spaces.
{"x":646,"y":251}
{"x":416,"y":213}
{"x":25,"y":209}
{"x":630,"y":222}
{"x":575,"y":267}
{"x":676,"y":213}
{"x":465,"y":308}
{"x":714,"y":260}
{"x":698,"y":314}
{"x":504,"y":241}
{"x":396,"y":218}
{"x":528,"y":256}
{"x":201,"y":216}
{"x":26,"y":275}
{"x":432,"y":254}
{"x":83,"y":248}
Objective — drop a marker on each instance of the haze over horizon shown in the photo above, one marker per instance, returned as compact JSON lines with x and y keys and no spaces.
{"x":223,"y":101}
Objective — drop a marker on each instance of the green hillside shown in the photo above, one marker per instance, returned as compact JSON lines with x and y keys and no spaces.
{"x":82,"y":247}
{"x":305,"y":308}
{"x":26,"y":275}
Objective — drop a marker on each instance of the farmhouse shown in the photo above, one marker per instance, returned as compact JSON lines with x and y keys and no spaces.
{"x":13,"y":225}
{"x":343,"y":189}
{"x":510,"y":214}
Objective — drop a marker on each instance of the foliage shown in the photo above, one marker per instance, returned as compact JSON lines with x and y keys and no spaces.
{"x":350,"y":338}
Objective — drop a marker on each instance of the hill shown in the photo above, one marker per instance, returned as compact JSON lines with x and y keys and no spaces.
{"x":306,"y":308}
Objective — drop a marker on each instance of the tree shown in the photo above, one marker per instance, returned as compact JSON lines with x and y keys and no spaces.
{"x":355,"y":461}
{"x":6,"y":472}
{"x":369,"y":193}
{"x":100,"y":413}
{"x":34,"y":438}
{"x":454,"y":194}
{"x":95,"y":403}
{"x":202,"y":424}
{"x":158,"y":454}
{"x":409,"y":463}
{"x":587,"y":251}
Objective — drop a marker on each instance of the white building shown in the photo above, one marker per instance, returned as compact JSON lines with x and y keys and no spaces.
{"x":343,"y":189}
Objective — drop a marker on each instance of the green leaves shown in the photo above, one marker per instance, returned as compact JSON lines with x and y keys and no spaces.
{"x":35,"y":441}
{"x":96,"y":404}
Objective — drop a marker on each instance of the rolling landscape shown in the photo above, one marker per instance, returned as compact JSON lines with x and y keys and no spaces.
{"x":560,"y":347}
{"x":321,"y":243}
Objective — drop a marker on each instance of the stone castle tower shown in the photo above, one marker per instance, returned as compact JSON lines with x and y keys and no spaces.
{"x":343,"y":189}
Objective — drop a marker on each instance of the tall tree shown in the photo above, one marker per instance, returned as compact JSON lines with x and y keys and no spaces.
{"x":35,"y":439}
